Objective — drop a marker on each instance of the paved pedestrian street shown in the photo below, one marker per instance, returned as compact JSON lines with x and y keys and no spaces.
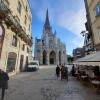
{"x":44,"y":85}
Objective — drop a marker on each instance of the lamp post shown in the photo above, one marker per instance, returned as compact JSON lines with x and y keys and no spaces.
{"x":83,"y":33}
{"x":88,"y":42}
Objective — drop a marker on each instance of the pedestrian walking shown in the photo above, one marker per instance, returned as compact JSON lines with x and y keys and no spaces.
{"x":64,"y":72}
{"x":3,"y":82}
{"x":67,"y":72}
{"x":58,"y":71}
{"x":73,"y":70}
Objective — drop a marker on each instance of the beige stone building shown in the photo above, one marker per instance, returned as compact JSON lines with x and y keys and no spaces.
{"x":93,"y":7}
{"x":15,"y":34}
{"x":92,"y":60}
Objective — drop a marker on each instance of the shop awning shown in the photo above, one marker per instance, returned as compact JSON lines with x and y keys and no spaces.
{"x":92,"y":59}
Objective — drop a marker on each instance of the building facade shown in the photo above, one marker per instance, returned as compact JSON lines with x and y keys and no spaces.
{"x":78,"y":53}
{"x":93,"y":7}
{"x":88,"y":42}
{"x":49,"y":49}
{"x":15,"y":34}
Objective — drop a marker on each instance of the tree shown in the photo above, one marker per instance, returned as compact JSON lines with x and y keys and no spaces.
{"x":70,"y":59}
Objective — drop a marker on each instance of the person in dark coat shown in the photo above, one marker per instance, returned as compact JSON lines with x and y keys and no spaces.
{"x":58,"y":71}
{"x":73,"y":70}
{"x":64,"y":72}
{"x":3,"y":82}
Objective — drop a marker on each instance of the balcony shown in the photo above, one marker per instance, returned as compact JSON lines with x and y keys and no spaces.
{"x":13,"y":21}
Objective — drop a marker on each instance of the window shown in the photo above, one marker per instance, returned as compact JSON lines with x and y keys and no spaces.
{"x":17,"y":18}
{"x":26,"y":8}
{"x":1,"y":38}
{"x":23,"y":47}
{"x":43,"y":42}
{"x":19,"y":7}
{"x":25,"y":20}
{"x":38,"y":50}
{"x":14,"y":41}
{"x":29,"y":28}
{"x":98,"y":9}
{"x":63,"y":52}
{"x":1,"y":34}
{"x":27,"y":50}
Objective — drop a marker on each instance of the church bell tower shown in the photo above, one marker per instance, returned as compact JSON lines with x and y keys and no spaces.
{"x":47,"y":28}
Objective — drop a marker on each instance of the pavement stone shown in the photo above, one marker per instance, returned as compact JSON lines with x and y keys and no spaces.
{"x":44,"y":85}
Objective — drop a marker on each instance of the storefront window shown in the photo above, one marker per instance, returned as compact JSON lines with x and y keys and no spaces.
{"x":11,"y":62}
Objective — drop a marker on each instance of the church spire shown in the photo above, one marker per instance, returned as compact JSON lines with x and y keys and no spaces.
{"x":47,"y":23}
{"x":47,"y":29}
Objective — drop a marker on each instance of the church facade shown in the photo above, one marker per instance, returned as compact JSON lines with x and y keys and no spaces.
{"x":49,"y":49}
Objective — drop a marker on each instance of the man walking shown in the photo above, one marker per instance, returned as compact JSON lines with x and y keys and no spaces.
{"x":64,"y":72}
{"x":73,"y":70}
{"x":3,"y":82}
{"x":57,"y":71}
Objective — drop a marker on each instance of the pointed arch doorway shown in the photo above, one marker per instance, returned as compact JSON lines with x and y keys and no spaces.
{"x":44,"y":57}
{"x":52,"y":57}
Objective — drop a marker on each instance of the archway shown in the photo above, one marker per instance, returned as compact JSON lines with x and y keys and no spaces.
{"x":44,"y":57}
{"x":59,"y":57}
{"x":21,"y":63}
{"x":52,"y":57}
{"x":11,"y":62}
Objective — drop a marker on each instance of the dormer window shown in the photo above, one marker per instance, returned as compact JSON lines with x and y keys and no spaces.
{"x":98,"y":9}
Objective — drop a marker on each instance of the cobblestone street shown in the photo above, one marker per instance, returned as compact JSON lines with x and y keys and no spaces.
{"x":44,"y":85}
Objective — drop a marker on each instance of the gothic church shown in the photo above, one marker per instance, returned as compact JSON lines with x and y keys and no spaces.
{"x":49,"y":49}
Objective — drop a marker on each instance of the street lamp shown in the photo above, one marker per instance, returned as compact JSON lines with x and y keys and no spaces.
{"x":83,"y":33}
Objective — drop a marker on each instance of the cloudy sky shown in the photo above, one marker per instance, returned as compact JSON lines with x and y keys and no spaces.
{"x":67,"y":17}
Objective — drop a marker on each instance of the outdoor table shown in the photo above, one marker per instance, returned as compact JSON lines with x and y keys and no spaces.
{"x":97,"y":83}
{"x":84,"y":77}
